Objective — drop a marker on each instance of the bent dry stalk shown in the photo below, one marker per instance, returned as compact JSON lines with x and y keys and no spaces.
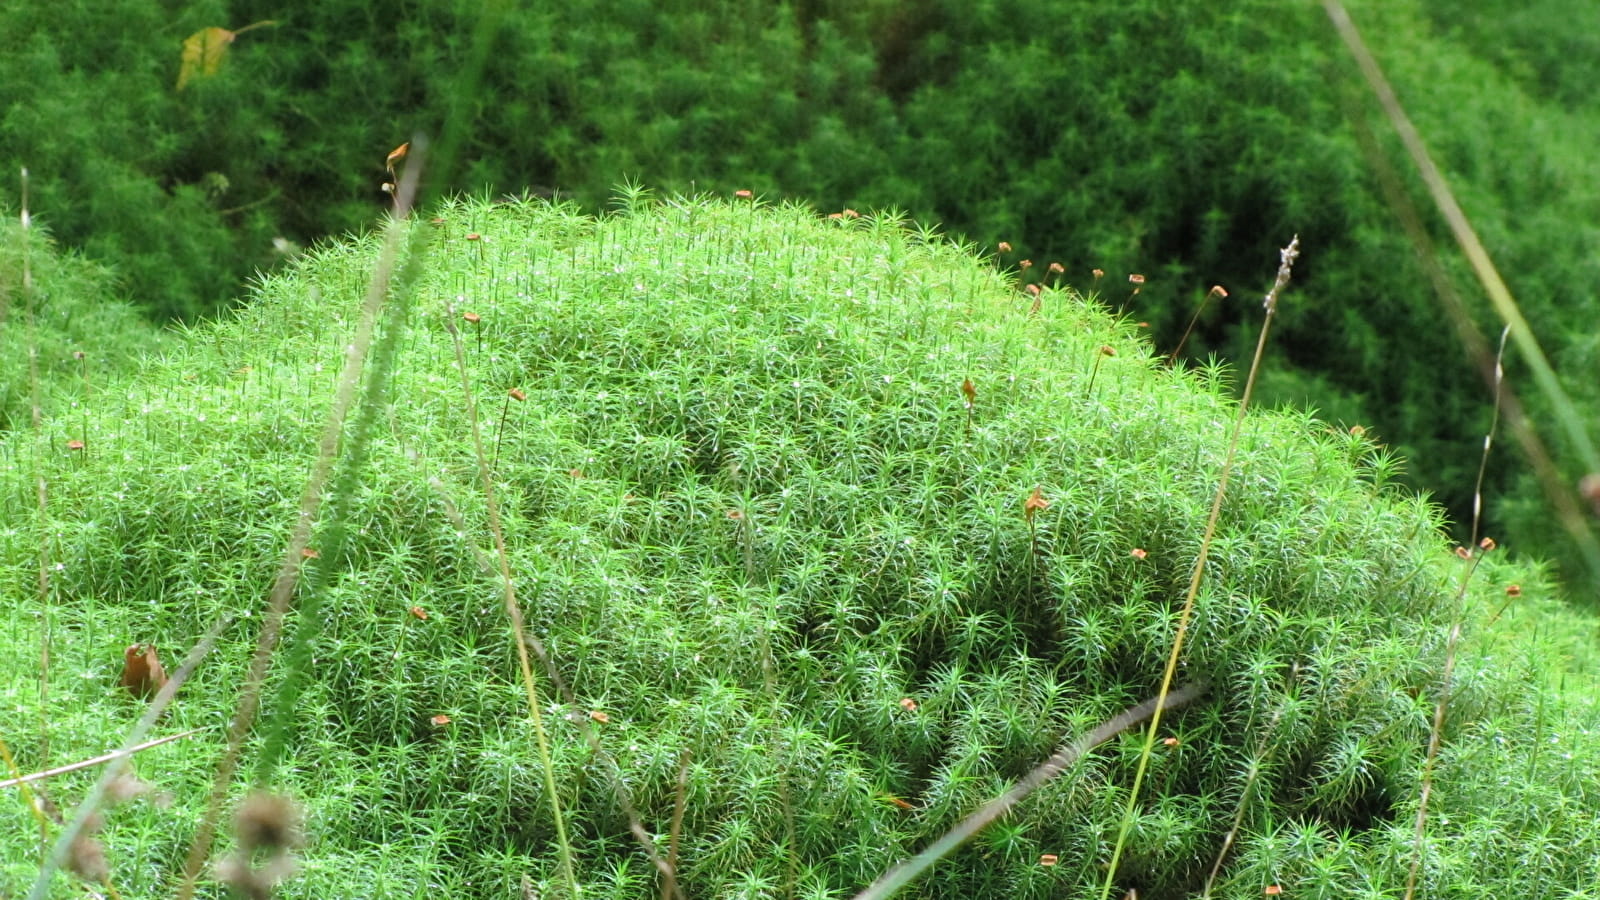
{"x":903,"y":874}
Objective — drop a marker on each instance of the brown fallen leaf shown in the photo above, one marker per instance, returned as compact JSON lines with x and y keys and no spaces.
{"x":142,"y":673}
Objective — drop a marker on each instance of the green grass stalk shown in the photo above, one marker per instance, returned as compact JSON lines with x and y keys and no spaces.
{"x":1286,"y":265}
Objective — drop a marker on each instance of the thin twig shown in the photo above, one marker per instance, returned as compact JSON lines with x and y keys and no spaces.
{"x":288,"y":577}
{"x":90,"y":763}
{"x":904,"y":873}
{"x":1286,"y":259}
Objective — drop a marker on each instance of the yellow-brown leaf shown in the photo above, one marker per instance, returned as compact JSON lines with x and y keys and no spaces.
{"x":203,"y":52}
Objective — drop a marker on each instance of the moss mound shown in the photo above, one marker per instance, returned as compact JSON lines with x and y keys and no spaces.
{"x":761,"y":531}
{"x":79,"y":330}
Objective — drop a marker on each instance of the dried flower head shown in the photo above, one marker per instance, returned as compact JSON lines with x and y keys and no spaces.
{"x":267,"y":828}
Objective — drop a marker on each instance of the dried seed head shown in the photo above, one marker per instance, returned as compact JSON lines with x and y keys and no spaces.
{"x":267,"y":822}
{"x":126,"y":786}
{"x":86,"y":858}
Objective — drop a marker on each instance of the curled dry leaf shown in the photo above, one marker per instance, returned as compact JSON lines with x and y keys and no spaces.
{"x":1034,"y":503}
{"x":395,"y":156}
{"x":142,"y":672}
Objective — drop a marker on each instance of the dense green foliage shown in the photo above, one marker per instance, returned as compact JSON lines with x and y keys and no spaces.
{"x":756,"y":527}
{"x":70,"y":334}
{"x":1183,"y":143}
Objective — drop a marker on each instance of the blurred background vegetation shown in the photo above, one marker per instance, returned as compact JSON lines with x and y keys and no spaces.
{"x":1184,"y":142}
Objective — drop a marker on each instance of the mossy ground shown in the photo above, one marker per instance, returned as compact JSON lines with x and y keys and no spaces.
{"x":759,"y":531}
